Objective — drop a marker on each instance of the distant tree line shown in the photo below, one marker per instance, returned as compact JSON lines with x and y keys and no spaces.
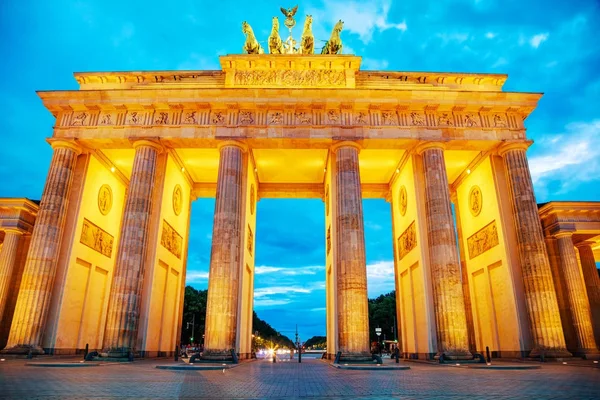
{"x":194,"y":322}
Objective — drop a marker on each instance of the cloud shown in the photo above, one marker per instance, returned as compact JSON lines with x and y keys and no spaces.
{"x":270,"y":291}
{"x":380,"y":278}
{"x":453,"y":37}
{"x":196,"y":277}
{"x":374,"y":64}
{"x":567,"y":159}
{"x":311,"y":270}
{"x":362,"y":18}
{"x":490,"y":35}
{"x":536,"y":40}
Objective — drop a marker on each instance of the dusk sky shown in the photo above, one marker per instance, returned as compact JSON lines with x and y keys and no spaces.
{"x":544,"y":46}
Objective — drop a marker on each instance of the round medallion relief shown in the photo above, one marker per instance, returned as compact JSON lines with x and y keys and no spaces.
{"x":252,"y":199}
{"x":177,"y":199}
{"x":403,"y":200}
{"x":105,"y":199}
{"x":475,"y":200}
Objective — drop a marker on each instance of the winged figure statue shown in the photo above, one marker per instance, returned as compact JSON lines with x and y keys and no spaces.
{"x":289,"y":14}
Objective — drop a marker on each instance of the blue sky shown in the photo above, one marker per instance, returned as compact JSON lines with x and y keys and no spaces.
{"x":544,"y":46}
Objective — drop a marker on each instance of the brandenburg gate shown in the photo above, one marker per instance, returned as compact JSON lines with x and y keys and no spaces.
{"x":106,"y":258}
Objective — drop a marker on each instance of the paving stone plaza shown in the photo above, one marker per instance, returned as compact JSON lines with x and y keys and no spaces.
{"x":312,"y":378}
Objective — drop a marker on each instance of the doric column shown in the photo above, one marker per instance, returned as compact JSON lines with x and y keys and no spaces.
{"x":224,"y":273}
{"x":8,"y":255}
{"x":448,"y":300}
{"x":540,"y":297}
{"x":592,"y":284}
{"x":39,"y":271}
{"x":351,"y":265}
{"x":578,"y":303}
{"x":125,"y":294}
{"x":465,"y":277}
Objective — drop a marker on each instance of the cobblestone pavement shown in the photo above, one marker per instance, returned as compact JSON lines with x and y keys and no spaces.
{"x":312,"y":378}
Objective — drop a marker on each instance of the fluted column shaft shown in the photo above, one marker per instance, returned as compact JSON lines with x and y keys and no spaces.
{"x":448,"y":300}
{"x":8,"y":254}
{"x":465,"y":278}
{"x":540,"y":295}
{"x":224,"y":274}
{"x":351,"y":266}
{"x":31,"y":309}
{"x":592,"y":284}
{"x":126,"y":290}
{"x":578,"y":302}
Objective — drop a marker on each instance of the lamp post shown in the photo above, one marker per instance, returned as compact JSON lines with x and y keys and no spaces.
{"x":378,"y":332}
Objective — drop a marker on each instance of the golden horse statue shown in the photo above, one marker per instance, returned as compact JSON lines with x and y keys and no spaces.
{"x":334,"y":44}
{"x":307,"y":43}
{"x":275,"y":43}
{"x":251,"y":46}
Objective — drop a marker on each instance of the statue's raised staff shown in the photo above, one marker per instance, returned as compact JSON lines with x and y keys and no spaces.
{"x":334,"y":44}
{"x":275,"y":42}
{"x":307,"y":43}
{"x":251,"y":46}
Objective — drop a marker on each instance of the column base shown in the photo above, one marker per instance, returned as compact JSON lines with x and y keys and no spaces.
{"x":549,"y":353}
{"x":356,"y":358}
{"x":454,"y":355}
{"x":121,"y":354}
{"x":24,"y":349}
{"x":587,"y":354}
{"x":218,"y":356}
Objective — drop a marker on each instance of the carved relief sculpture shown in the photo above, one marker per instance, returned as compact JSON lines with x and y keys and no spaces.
{"x":471,"y":120}
{"x":190,"y":117}
{"x":323,"y":77}
{"x":475,"y":199}
{"x":417,"y":119}
{"x":361,"y":118}
{"x":96,"y":238}
{"x":171,"y":240}
{"x":333,"y":116}
{"x":445,"y":120}
{"x":250,"y":240}
{"x":403,"y":200}
{"x":79,"y":119}
{"x":276,"y":118}
{"x":134,"y":118}
{"x":106,"y":120}
{"x":407,"y":241}
{"x":218,"y":118}
{"x":105,"y":199}
{"x":246,"y":117}
{"x":327,"y":200}
{"x":388,"y":117}
{"x":483,"y":240}
{"x":499,"y":121}
{"x":304,"y":118}
{"x":163,"y":118}
{"x":328,"y":239}
{"x":177,"y":199}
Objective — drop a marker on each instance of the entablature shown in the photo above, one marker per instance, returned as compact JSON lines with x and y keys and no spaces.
{"x":581,"y":217}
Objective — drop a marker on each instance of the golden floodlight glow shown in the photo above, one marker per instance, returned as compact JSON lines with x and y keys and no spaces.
{"x":112,"y":169}
{"x":468,"y":171}
{"x":182,"y":169}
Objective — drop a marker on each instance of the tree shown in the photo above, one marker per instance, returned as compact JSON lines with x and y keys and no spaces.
{"x":318,"y":342}
{"x":382,"y":311}
{"x":194,"y":310}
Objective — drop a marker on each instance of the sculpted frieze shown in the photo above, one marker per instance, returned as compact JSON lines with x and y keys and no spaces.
{"x":96,"y":238}
{"x":171,"y":240}
{"x":407,"y":241}
{"x":483,"y":240}
{"x":303,"y":78}
{"x":189,"y":117}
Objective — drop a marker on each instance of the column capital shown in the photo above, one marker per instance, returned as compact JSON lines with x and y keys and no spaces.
{"x":513,"y":145}
{"x":67,"y":144}
{"x":13,"y":231}
{"x":155,"y":144}
{"x":346,"y":143}
{"x":426,"y":145}
{"x":226,"y":143}
{"x":561,"y":234}
{"x":453,"y":197}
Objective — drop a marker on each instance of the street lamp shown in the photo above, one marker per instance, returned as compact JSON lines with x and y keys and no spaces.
{"x":378,"y":332}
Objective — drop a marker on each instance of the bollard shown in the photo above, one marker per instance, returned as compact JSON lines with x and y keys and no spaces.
{"x":87,"y":347}
{"x":274,"y":358}
{"x":176,"y":353}
{"x":487,"y":353}
{"x":29,"y":354}
{"x":397,"y":351}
